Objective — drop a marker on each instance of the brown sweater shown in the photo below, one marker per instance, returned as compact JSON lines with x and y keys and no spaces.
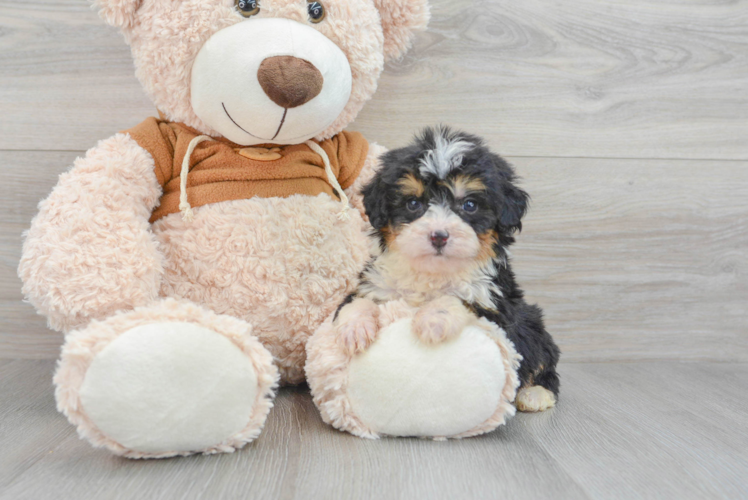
{"x":218,"y":172}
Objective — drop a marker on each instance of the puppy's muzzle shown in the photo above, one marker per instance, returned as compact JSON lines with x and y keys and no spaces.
{"x":439,"y":239}
{"x":289,"y":81}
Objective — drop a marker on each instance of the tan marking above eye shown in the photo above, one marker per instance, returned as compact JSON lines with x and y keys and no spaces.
{"x":461,"y":185}
{"x":411,"y":186}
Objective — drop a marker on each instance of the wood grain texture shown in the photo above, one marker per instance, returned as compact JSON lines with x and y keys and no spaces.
{"x":30,"y":427}
{"x":615,"y":434}
{"x":588,"y":78}
{"x":67,"y":79}
{"x":638,"y":259}
{"x":630,"y":259}
{"x":28,"y":177}
{"x":642,"y":78}
{"x":635,"y":423}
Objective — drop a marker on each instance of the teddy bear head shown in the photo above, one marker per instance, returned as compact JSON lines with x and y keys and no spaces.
{"x":264,"y":71}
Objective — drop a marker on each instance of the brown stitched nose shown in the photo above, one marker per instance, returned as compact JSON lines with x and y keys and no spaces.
{"x":289,"y":81}
{"x":439,"y":239}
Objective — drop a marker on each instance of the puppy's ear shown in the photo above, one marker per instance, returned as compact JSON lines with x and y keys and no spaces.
{"x":400,"y":20}
{"x":514,"y":208}
{"x":375,"y":202}
{"x":118,"y":13}
{"x":515,"y":201}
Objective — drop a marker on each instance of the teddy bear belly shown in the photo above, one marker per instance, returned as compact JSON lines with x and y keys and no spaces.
{"x":282,"y":264}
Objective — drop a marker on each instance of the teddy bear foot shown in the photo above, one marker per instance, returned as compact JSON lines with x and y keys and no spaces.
{"x":402,"y":386}
{"x":165,"y":380}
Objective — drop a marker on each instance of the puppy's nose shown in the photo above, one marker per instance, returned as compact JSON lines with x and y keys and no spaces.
{"x":439,"y":239}
{"x":289,"y":81}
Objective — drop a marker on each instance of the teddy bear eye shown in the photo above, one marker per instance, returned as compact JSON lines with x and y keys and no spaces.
{"x":316,"y":11}
{"x":248,"y":8}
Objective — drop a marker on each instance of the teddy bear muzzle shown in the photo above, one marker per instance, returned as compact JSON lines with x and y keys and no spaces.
{"x":270,"y":80}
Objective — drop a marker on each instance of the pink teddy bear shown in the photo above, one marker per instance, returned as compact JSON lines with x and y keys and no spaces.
{"x":188,"y":259}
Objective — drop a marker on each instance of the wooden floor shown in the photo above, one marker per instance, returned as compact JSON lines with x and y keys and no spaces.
{"x":628,"y":123}
{"x":672,"y":430}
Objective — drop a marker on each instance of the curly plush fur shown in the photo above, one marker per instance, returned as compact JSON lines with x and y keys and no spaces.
{"x":90,"y":251}
{"x":165,"y":38}
{"x":83,"y":346}
{"x":281,"y":264}
{"x":328,"y":369}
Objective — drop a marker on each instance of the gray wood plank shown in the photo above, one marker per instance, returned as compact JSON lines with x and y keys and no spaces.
{"x":75,"y":470}
{"x":68,"y":79}
{"x":664,"y":79}
{"x":638,"y":259}
{"x":504,"y":461}
{"x":636,"y":430}
{"x":29,"y":176}
{"x":649,"y":430}
{"x":298,"y":456}
{"x":30,"y":427}
{"x":631,"y":259}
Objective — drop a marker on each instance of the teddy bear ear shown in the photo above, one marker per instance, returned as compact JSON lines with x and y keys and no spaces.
{"x":118,"y":13}
{"x":400,"y":20}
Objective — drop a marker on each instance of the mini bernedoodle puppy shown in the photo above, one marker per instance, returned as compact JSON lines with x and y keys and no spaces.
{"x":445,"y":210}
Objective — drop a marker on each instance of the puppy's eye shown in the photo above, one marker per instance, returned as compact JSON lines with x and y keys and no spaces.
{"x":469,"y":206}
{"x":413,"y":205}
{"x":248,"y":8}
{"x":316,"y":12}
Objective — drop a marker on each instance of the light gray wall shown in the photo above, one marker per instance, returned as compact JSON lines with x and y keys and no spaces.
{"x":627,"y":120}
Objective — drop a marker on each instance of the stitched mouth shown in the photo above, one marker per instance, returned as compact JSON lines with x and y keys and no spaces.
{"x":283,"y":119}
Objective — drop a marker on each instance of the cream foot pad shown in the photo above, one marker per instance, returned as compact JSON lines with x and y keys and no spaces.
{"x":400,"y":386}
{"x":164,"y":388}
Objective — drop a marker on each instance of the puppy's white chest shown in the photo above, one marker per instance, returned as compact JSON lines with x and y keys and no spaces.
{"x":386,"y":281}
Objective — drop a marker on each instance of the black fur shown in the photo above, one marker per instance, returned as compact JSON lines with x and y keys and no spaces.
{"x":347,"y":300}
{"x":501,"y":208}
{"x":502,"y":205}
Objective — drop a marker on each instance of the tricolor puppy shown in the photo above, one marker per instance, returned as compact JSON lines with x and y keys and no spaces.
{"x":445,"y":210}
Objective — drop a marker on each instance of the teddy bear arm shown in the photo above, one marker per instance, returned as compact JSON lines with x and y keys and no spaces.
{"x":371,"y":166}
{"x":90,"y":251}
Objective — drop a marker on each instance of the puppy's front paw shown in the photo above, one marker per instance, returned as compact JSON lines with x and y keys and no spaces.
{"x":357,"y":334}
{"x":440,"y":320}
{"x":357,"y":326}
{"x":534,"y":398}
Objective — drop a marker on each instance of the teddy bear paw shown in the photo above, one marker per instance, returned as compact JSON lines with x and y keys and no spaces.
{"x":167,"y":379}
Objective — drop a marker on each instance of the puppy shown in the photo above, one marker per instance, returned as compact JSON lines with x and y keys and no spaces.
{"x":444,"y":211}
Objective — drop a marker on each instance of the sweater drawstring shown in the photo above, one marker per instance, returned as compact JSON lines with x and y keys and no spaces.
{"x":184,"y":205}
{"x":343,"y":214}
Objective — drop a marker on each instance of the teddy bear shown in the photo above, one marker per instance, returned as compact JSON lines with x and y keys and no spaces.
{"x":188,"y":259}
{"x":404,"y":384}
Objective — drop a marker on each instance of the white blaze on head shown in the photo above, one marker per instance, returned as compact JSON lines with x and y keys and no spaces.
{"x":446,"y":155}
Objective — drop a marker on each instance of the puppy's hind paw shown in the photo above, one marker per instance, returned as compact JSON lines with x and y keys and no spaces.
{"x":534,"y":398}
